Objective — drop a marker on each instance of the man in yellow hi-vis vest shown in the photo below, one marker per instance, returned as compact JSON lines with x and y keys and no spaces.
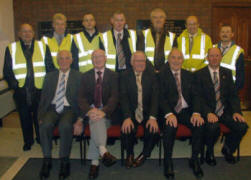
{"x":86,"y":42}
{"x":25,"y":64}
{"x":59,"y":39}
{"x":232,"y":55}
{"x":119,"y":43}
{"x":194,"y":45}
{"x":157,"y":40}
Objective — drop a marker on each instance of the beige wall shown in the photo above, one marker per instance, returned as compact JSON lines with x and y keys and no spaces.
{"x":6,"y":28}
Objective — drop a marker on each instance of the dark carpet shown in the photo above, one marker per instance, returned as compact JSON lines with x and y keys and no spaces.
{"x":149,"y":171}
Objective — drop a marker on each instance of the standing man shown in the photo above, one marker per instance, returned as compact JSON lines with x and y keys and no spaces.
{"x":194,"y":45}
{"x":25,"y":64}
{"x":220,"y":105}
{"x":139,"y":103}
{"x":232,"y":55}
{"x":59,"y":107}
{"x":87,"y":41}
{"x":158,"y":41}
{"x":119,"y":43}
{"x":98,"y":99}
{"x":180,"y":104}
{"x":59,"y":39}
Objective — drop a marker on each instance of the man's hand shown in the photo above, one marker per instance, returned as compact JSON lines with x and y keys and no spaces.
{"x":152,"y":125}
{"x":171,"y":120}
{"x":238,"y":117}
{"x":96,"y":114}
{"x":127,"y":126}
{"x":78,"y":127}
{"x":196,"y":120}
{"x":212,"y":118}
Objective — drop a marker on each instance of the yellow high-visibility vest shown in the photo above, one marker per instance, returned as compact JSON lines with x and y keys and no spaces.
{"x":55,"y":48}
{"x":85,"y":50}
{"x":195,"y":59}
{"x":19,"y":63}
{"x":150,"y":45}
{"x":110,"y":48}
{"x":229,"y":59}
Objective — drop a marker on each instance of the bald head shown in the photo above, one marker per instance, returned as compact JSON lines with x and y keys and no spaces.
{"x":64,"y":59}
{"x":138,"y":61}
{"x":214,"y":57}
{"x":158,"y":17}
{"x":98,"y":59}
{"x":26,"y":33}
{"x":192,"y":24}
{"x":175,"y":59}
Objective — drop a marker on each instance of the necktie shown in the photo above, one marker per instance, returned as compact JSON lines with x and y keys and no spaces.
{"x":120,"y":53}
{"x":139,"y":110}
{"x":223,"y":50}
{"x":60,"y":94}
{"x":219,"y":107}
{"x":178,"y":107}
{"x":60,"y":39}
{"x":190,"y":43}
{"x":98,"y":91}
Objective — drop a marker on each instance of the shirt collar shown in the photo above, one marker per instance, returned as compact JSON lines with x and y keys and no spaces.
{"x":213,"y":70}
{"x":116,"y":33}
{"x":66,"y":73}
{"x":101,"y":70}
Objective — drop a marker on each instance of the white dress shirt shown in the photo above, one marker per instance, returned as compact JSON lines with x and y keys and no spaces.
{"x":212,"y":73}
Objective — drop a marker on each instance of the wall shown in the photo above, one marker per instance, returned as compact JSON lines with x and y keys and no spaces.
{"x":6,"y":28}
{"x":33,"y":11}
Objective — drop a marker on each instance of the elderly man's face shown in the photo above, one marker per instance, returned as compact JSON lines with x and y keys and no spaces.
{"x":64,"y":60}
{"x":139,"y":62}
{"x":98,"y":59}
{"x":158,"y":20}
{"x":89,"y":22}
{"x":175,"y":60}
{"x":26,"y":33}
{"x":192,"y":25}
{"x":214,"y":57}
{"x":59,"y":26}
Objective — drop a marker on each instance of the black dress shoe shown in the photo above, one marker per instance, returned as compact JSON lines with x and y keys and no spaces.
{"x":27,"y":146}
{"x":139,"y":161}
{"x":93,"y":173}
{"x":168,"y":169}
{"x":195,"y":165}
{"x":129,"y":161}
{"x":228,"y":156}
{"x":64,"y":170}
{"x":45,"y":170}
{"x":108,"y":159}
{"x":210,"y":159}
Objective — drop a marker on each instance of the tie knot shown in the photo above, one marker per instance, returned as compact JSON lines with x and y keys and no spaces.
{"x":215,"y":73}
{"x":176,"y":74}
{"x":63,"y":75}
{"x":99,"y":73}
{"x":119,"y":35}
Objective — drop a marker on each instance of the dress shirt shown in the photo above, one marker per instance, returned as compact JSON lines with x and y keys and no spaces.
{"x":96,"y":74}
{"x":225,"y":49}
{"x":212,"y":73}
{"x":116,"y":34}
{"x":66,"y":103}
{"x":59,"y":37}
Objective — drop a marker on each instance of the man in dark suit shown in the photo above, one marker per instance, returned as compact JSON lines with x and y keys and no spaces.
{"x":179,"y":103}
{"x":25,"y":65}
{"x":98,"y":98}
{"x":59,"y":107}
{"x":139,"y":103}
{"x":220,"y":105}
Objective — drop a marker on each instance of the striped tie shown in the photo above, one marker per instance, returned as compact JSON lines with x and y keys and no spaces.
{"x":219,"y":107}
{"x":178,"y":107}
{"x":139,"y":110}
{"x":120,"y":53}
{"x":60,"y":95}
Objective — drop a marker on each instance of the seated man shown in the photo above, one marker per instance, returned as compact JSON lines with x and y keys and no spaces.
{"x":98,"y":98}
{"x":221,"y":105}
{"x":180,"y":104}
{"x":59,"y":107}
{"x":139,"y":103}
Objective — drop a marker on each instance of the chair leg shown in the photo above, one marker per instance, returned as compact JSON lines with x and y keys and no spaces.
{"x":122,"y":152}
{"x":160,"y":150}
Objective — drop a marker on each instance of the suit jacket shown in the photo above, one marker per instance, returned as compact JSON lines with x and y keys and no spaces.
{"x":169,"y":94}
{"x":50,"y":87}
{"x":109,"y":91}
{"x":129,"y":94}
{"x":228,"y":93}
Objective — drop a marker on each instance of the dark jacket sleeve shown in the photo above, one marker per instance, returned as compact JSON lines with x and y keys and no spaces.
{"x":140,"y":45}
{"x":112,"y":102}
{"x":49,"y":66}
{"x":74,"y":52}
{"x":8,"y":71}
{"x":43,"y":98}
{"x":155,"y":97}
{"x":240,"y":72}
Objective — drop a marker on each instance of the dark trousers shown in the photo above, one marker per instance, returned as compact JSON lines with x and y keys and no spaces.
{"x":129,"y":140}
{"x":233,"y":139}
{"x":64,"y":121}
{"x":169,"y":134}
{"x":28,"y":114}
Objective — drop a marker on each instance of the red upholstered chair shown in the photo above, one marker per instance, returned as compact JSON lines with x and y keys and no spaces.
{"x":112,"y":132}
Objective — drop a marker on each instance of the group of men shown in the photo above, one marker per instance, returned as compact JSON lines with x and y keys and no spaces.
{"x":156,"y":79}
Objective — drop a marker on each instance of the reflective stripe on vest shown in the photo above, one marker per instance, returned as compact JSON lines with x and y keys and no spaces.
{"x":195,"y":56}
{"x":81,"y":47}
